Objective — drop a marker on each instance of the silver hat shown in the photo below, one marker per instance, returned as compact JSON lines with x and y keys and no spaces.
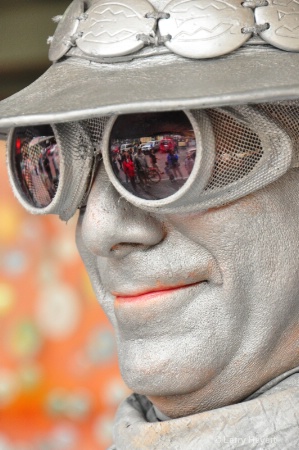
{"x":112,"y":57}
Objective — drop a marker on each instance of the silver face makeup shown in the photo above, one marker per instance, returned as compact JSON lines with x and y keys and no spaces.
{"x":196,"y":299}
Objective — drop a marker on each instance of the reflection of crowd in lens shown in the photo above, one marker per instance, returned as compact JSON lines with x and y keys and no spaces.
{"x":129,"y":169}
{"x":37,"y":163}
{"x":155,"y":168}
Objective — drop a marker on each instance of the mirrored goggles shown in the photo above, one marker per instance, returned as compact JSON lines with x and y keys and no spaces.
{"x":178,"y":161}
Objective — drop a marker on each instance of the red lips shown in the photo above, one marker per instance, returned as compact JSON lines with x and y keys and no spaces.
{"x":150,"y":294}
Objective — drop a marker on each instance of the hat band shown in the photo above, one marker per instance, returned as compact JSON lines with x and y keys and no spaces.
{"x":192,"y":29}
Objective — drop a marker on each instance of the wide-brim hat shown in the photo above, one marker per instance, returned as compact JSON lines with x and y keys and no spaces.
{"x":112,"y":58}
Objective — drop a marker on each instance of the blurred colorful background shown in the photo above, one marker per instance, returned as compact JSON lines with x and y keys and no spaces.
{"x":59,"y":380}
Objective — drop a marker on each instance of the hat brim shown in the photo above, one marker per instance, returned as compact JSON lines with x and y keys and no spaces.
{"x":76,"y":89}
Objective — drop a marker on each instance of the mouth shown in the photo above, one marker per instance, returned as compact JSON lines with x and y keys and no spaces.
{"x":152,"y":294}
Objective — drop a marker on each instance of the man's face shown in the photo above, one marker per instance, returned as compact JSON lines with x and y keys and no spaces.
{"x":205,"y":305}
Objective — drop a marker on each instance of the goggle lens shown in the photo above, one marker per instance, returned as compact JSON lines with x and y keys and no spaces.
{"x":152,"y":155}
{"x":36,"y":156}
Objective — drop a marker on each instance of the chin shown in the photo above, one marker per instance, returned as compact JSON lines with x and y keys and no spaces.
{"x":161,"y":376}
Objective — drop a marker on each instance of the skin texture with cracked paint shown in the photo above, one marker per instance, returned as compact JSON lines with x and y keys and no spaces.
{"x":204,"y":305}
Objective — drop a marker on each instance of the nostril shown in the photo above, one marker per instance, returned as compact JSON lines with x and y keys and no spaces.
{"x":124,"y":246}
{"x":123,"y":249}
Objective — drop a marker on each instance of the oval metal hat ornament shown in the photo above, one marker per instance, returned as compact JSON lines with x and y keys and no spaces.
{"x":111,"y":27}
{"x":283,"y":19}
{"x":67,"y":27}
{"x":205,"y":29}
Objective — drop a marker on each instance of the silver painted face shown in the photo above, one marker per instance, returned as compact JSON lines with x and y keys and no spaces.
{"x":204,"y":305}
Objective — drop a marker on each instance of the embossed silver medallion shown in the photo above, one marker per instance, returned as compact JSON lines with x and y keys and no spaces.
{"x":207,"y":28}
{"x":112,"y":26}
{"x":66,"y":28}
{"x":283,"y":19}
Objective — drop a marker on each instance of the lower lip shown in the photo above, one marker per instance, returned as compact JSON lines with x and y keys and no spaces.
{"x":154,"y":294}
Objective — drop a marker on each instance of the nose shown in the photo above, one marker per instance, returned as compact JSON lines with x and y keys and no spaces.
{"x":112,"y":227}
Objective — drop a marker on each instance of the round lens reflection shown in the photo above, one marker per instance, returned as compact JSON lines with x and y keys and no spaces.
{"x":153,"y":154}
{"x":37,"y":163}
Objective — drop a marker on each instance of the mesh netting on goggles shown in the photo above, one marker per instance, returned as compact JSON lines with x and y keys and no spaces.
{"x":254,"y":145}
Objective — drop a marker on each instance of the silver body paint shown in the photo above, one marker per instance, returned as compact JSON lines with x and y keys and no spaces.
{"x":217,"y":341}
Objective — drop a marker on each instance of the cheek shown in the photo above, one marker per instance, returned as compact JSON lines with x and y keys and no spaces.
{"x":228,"y":233}
{"x":250,"y":229}
{"x":255,"y":244}
{"x":90,"y":263}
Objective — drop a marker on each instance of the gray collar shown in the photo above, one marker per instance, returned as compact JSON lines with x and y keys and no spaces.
{"x":266,"y":419}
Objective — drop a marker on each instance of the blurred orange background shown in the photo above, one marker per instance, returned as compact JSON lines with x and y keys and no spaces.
{"x":59,"y":380}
